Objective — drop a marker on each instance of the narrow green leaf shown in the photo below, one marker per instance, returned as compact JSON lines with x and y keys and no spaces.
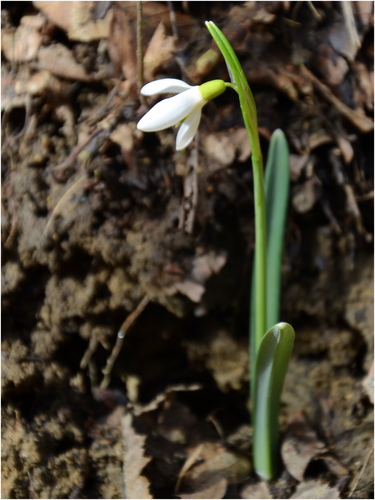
{"x":271,"y":366}
{"x":277,"y":193}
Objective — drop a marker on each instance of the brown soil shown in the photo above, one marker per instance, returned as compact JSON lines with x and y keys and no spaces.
{"x":125,"y":227}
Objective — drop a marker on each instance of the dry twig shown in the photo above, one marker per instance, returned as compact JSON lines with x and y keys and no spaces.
{"x":124,"y":328}
{"x":359,"y":120}
{"x":140,"y":67}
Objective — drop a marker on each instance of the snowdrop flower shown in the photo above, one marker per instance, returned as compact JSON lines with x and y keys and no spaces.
{"x":185,"y":108}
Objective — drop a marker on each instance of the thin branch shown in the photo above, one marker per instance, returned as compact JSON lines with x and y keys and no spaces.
{"x":316,"y":14}
{"x":360,"y":121}
{"x":172,"y":17}
{"x":124,"y":328}
{"x":76,"y":150}
{"x":140,"y":66}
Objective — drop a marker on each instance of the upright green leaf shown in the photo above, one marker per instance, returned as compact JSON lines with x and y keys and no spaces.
{"x":277,"y":193}
{"x":271,"y":366}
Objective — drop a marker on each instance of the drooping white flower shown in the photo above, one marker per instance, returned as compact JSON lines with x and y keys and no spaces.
{"x":185,"y":108}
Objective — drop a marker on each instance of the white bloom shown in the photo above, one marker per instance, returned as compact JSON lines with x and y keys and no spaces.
{"x":185,"y":107}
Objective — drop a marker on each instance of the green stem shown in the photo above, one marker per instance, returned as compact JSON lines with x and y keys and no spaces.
{"x":260,"y":255}
{"x":248,"y":108}
{"x":230,"y":85}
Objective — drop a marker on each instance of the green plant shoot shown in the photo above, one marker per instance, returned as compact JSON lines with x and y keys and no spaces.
{"x":277,"y":192}
{"x":270,"y":350}
{"x":270,"y":369}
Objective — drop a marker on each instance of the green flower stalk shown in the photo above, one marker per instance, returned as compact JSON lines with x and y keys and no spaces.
{"x":248,"y":108}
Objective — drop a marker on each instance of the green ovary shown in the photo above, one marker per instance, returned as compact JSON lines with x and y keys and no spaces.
{"x":212,"y":89}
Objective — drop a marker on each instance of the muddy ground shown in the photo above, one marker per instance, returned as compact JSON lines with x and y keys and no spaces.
{"x":106,"y":230}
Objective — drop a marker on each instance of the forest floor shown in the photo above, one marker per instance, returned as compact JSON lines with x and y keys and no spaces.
{"x":106,"y":229}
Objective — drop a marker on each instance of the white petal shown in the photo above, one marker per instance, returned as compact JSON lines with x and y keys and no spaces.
{"x":171,"y":111}
{"x":188,"y":129}
{"x":165,"y":85}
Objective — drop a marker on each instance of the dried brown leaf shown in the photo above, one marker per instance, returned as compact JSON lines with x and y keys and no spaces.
{"x":315,"y":489}
{"x":22,"y":44}
{"x":91,"y":31}
{"x":317,"y":139}
{"x":277,"y":77}
{"x":59,"y":60}
{"x":210,"y":488}
{"x":122,"y":44}
{"x":333,"y":464}
{"x":330,"y":65}
{"x":220,"y":148}
{"x":223,"y":147}
{"x":64,"y":14}
{"x":38,"y":82}
{"x":256,"y":490}
{"x":263,"y":16}
{"x":34,"y":21}
{"x":297,"y":164}
{"x":123,"y":136}
{"x":159,"y":52}
{"x":306,"y":195}
{"x":212,"y":470}
{"x":137,"y":486}
{"x":192,"y":458}
{"x":365,"y":11}
{"x":346,"y":149}
{"x":156,"y":12}
{"x":204,"y":267}
{"x":241,"y":142}
{"x":207,"y":265}
{"x":194,"y":291}
{"x":76,"y":18}
{"x":300,"y":446}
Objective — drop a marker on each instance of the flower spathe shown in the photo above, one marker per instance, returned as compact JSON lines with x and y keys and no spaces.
{"x":185,"y":107}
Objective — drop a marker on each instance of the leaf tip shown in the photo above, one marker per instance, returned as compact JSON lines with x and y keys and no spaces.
{"x":281,"y":325}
